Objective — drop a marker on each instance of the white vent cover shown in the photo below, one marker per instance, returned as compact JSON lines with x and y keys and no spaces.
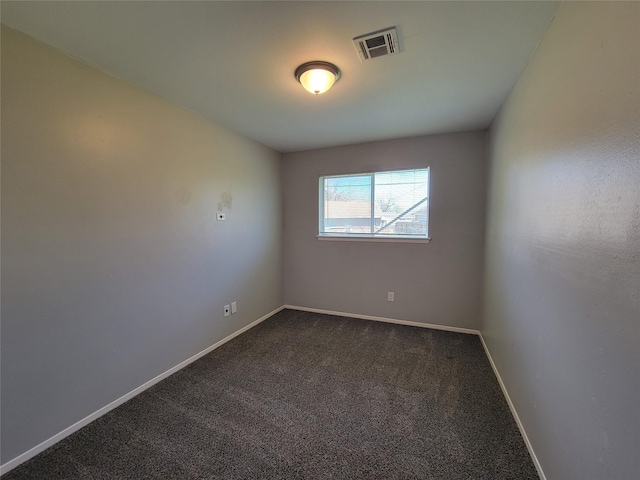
{"x":377,"y":44}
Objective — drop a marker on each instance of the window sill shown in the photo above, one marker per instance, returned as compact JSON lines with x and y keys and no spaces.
{"x":332,"y":238}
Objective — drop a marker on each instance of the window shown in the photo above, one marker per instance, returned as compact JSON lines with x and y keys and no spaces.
{"x":391,"y":205}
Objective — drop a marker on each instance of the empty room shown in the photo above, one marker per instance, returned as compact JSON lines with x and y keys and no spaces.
{"x":320,"y":239}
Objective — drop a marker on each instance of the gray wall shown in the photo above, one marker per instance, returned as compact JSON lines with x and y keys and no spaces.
{"x":114,"y":268}
{"x":562,"y":297}
{"x":439,"y":282}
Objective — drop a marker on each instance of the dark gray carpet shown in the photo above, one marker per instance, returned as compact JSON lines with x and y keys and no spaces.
{"x":308,"y":396}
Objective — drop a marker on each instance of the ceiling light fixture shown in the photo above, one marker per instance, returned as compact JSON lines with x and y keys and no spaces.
{"x":317,"y":77}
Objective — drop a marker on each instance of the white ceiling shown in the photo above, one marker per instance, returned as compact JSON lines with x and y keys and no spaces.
{"x":233,"y":62}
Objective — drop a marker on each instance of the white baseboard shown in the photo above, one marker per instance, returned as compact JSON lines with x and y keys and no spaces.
{"x":11,"y":464}
{"x":534,"y":458}
{"x":387,"y":320}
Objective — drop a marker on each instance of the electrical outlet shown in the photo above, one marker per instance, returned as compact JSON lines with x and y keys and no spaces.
{"x":391,"y":297}
{"x":234,"y":308}
{"x":226,"y":310}
{"x":221,"y":217}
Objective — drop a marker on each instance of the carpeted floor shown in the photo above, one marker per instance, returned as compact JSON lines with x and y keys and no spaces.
{"x":308,"y":396}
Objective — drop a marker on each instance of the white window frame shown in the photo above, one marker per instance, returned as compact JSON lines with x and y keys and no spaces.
{"x":373,"y":237}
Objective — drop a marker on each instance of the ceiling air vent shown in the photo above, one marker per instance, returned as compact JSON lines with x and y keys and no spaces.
{"x":377,"y":44}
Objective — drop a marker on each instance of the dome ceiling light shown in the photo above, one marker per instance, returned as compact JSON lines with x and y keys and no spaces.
{"x":317,"y":77}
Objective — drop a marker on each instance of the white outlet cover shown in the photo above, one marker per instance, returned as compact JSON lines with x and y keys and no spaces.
{"x":234,"y":308}
{"x":226,"y":310}
{"x":221,"y":217}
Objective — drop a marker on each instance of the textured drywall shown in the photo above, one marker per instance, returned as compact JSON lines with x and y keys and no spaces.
{"x":562,"y":285}
{"x":437,"y":283}
{"x":114,"y":268}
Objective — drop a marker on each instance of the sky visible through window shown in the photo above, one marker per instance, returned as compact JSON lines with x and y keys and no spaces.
{"x":401,"y":186}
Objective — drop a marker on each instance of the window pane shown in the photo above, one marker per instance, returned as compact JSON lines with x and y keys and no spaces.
{"x":401,"y":201}
{"x":347,"y":204}
{"x":385,"y":204}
